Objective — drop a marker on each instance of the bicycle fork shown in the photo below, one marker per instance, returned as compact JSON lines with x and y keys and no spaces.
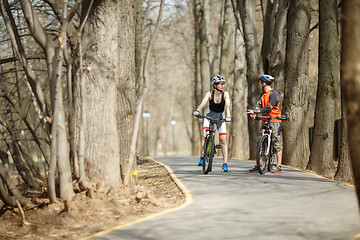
{"x":268,"y":142}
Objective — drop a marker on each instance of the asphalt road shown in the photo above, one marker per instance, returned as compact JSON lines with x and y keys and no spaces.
{"x":240,"y":205}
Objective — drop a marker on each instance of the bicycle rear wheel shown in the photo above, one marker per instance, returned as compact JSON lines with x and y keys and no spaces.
{"x":262,"y":159}
{"x":208,"y":154}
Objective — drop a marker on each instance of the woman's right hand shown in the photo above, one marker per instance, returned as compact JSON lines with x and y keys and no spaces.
{"x":196,"y":113}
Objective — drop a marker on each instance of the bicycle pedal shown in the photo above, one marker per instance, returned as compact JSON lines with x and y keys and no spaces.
{"x":218,"y":146}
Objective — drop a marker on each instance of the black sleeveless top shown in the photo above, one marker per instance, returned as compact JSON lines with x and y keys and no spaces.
{"x":217,"y":107}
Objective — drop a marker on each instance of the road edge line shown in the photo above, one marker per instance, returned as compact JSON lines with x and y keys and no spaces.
{"x":179,"y":184}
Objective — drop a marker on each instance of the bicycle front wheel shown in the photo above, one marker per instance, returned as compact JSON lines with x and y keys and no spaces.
{"x":208,"y":154}
{"x":262,"y":157}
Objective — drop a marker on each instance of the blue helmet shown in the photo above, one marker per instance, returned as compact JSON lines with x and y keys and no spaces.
{"x":218,"y":78}
{"x":267,"y":79}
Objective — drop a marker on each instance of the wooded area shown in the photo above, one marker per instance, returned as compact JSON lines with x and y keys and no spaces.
{"x":87,"y":86}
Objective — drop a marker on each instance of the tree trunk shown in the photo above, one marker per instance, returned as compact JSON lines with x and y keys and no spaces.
{"x":22,"y":167}
{"x":350,"y":60}
{"x":344,"y":171}
{"x":208,"y":41}
{"x":10,"y":193}
{"x":203,"y":49}
{"x":278,"y":49}
{"x":196,"y":125}
{"x":296,"y":100}
{"x":139,"y":17}
{"x":252,"y":53}
{"x":61,"y":147}
{"x":108,"y":45}
{"x":131,"y":176}
{"x":321,"y":159}
{"x":268,"y":30}
{"x":227,"y":42}
{"x":239,"y":134}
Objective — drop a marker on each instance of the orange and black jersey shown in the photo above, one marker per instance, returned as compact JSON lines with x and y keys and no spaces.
{"x":269,"y":104}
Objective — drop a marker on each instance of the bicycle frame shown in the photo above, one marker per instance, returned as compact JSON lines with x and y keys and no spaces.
{"x":209,"y":144}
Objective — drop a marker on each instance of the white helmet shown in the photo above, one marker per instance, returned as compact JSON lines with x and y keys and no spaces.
{"x":218,"y":78}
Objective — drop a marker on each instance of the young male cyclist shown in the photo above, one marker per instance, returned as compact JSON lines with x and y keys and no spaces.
{"x":268,"y":105}
{"x":219,"y":101}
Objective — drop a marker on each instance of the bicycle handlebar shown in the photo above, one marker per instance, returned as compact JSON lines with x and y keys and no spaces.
{"x":211,"y":119}
{"x":270,"y":117}
{"x":283,"y":117}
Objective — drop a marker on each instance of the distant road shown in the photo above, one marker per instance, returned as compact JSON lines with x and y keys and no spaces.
{"x":240,"y":205}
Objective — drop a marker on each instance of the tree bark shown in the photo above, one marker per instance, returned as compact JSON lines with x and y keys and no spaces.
{"x":12,"y":194}
{"x":196,"y":125}
{"x":268,"y":32}
{"x":207,"y":37}
{"x":278,"y":49}
{"x":239,"y":134}
{"x":350,"y":74}
{"x":108,"y":45}
{"x":203,"y":49}
{"x":227,"y":42}
{"x":62,"y":150}
{"x":83,"y":118}
{"x":344,"y":171}
{"x":296,"y":139}
{"x":131,"y":176}
{"x":247,"y":10}
{"x":321,"y":159}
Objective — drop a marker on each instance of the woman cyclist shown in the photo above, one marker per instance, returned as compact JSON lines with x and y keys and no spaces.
{"x":219,"y":102}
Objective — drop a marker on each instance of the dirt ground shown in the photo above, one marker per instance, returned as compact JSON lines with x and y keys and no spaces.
{"x":155,"y":192}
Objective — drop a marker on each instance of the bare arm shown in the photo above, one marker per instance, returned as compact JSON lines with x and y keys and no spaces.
{"x":204,"y":101}
{"x":227,"y":104}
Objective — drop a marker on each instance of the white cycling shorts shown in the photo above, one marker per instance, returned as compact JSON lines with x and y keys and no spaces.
{"x":221,"y":126}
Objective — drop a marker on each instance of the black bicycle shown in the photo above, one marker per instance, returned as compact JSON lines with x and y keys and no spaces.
{"x":265,"y":154}
{"x":209,"y":144}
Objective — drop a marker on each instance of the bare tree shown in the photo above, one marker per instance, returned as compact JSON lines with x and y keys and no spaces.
{"x":268,"y":33}
{"x":253,"y":62}
{"x":344,"y":171}
{"x":109,"y":63}
{"x":350,"y":50}
{"x":296,"y":140}
{"x":131,"y":174}
{"x":278,"y":48}
{"x":321,"y":159}
{"x":227,"y":41}
{"x":239,"y":134}
{"x":203,"y":49}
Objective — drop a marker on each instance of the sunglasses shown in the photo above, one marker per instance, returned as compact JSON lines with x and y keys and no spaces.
{"x":221,"y":83}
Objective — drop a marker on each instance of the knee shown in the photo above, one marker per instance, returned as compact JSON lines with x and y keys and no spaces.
{"x":223,"y":141}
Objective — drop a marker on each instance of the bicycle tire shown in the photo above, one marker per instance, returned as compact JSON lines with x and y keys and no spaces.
{"x":271,"y":161}
{"x":208,"y":154}
{"x":261,"y":151}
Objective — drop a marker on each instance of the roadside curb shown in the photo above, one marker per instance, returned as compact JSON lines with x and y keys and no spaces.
{"x":179,"y":184}
{"x":305,"y":171}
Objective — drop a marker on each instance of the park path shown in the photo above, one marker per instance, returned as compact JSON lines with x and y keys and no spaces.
{"x":240,"y":205}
